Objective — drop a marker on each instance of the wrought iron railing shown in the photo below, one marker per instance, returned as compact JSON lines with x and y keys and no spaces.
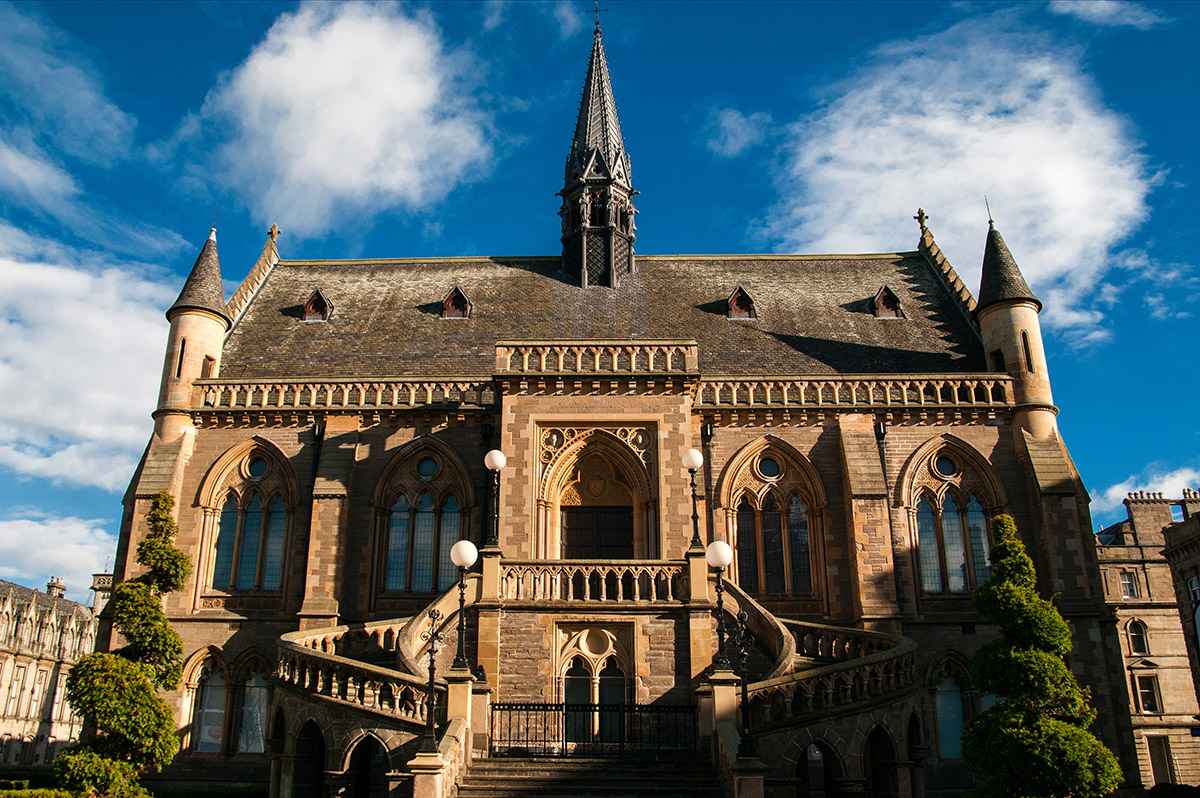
{"x":593,"y":730}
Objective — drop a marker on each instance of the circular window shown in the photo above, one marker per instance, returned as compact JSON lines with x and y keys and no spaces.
{"x":768,"y":467}
{"x":256,"y":467}
{"x":945,"y":466}
{"x":427,"y":467}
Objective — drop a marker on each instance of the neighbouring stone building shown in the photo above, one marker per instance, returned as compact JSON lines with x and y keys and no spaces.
{"x":41,"y":635}
{"x":860,"y":418}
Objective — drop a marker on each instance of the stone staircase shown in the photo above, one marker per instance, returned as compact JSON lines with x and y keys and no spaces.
{"x":590,"y":778}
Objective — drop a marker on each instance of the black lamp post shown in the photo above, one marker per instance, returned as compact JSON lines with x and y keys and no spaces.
{"x":463,"y":554}
{"x":429,"y":744}
{"x":495,"y":460}
{"x":692,"y":460}
{"x":746,"y":746}
{"x":719,"y":555}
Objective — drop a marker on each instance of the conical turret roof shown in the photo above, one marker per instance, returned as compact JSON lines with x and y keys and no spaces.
{"x":1001,"y":280}
{"x":598,"y":143}
{"x":203,"y":289}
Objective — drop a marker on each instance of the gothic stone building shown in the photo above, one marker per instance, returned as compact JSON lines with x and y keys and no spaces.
{"x":41,"y":635}
{"x":860,"y":417}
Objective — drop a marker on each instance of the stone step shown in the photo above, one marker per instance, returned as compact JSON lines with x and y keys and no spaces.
{"x":590,"y":778}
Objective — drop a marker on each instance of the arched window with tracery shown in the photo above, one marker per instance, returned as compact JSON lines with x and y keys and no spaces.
{"x":773,"y":521}
{"x":208,"y":716}
{"x":951,"y":503}
{"x":248,"y":505}
{"x":425,"y":511}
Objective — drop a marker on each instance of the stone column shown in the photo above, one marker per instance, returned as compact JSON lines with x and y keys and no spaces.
{"x":700,"y":635}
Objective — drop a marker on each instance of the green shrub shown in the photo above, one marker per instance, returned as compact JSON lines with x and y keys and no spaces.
{"x":1034,"y":742}
{"x":35,"y":793}
{"x":117,"y":692}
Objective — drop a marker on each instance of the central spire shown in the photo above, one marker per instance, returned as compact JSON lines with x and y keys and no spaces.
{"x":597,"y":211}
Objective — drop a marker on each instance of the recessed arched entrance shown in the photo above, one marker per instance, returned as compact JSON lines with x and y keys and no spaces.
{"x":368,"y":766}
{"x":309,"y":775}
{"x":596,"y":498}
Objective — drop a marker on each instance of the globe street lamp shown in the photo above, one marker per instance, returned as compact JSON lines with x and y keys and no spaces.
{"x":692,"y":460}
{"x":718,"y":555}
{"x":495,"y":460}
{"x":463,"y":554}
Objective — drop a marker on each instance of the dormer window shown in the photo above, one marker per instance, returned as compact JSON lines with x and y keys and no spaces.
{"x":886,"y":305}
{"x":456,"y":305}
{"x":740,"y":305}
{"x":316,"y":307}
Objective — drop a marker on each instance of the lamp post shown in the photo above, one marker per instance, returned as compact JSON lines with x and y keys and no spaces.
{"x":718,"y":555}
{"x":463,"y":554}
{"x":692,"y":460}
{"x":746,"y":746}
{"x":495,"y":460}
{"x":429,"y":744}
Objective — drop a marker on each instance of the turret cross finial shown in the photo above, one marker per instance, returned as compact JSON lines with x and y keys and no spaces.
{"x":274,"y":232}
{"x":921,"y":218}
{"x":597,"y":11}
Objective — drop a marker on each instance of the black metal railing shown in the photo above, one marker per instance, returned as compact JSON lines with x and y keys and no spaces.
{"x":593,"y":730}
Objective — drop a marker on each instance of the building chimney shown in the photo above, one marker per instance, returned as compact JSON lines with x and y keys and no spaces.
{"x":55,"y":587}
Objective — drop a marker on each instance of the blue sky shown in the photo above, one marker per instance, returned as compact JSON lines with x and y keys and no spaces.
{"x":440,"y":129}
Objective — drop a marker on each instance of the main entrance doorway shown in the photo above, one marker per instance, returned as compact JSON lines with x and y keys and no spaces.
{"x":597,"y":533}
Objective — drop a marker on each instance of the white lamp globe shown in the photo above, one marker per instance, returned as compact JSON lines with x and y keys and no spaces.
{"x":718,"y":554}
{"x":693,"y":459}
{"x":494,"y":460}
{"x":464,"y":554}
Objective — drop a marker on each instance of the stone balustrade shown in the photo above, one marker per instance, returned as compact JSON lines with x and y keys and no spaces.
{"x":596,"y":357}
{"x":965,"y":392}
{"x":308,"y":663}
{"x":399,"y":393}
{"x":610,"y":581}
{"x":835,"y":667}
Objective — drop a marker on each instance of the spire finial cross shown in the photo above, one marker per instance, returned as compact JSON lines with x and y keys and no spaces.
{"x":596,"y":10}
{"x":991,"y":221}
{"x":274,"y":232}
{"x":921,"y":218}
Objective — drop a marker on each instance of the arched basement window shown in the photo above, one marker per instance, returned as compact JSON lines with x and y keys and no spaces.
{"x":950,"y":717}
{"x":208,"y":723}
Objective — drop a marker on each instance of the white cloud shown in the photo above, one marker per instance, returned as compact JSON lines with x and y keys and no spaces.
{"x":1168,"y":483}
{"x":71,"y":548}
{"x":80,"y":355}
{"x":344,"y":111}
{"x":27,"y":173}
{"x":731,"y":132}
{"x":493,"y":14}
{"x":1114,"y":13}
{"x":570,"y":21}
{"x":979,"y":109}
{"x":43,"y":74}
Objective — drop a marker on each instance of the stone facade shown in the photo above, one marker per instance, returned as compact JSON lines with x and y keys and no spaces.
{"x":41,"y":635}
{"x":860,"y":419}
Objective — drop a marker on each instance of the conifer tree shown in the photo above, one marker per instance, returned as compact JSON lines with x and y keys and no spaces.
{"x":1034,"y":742}
{"x":133,"y":728}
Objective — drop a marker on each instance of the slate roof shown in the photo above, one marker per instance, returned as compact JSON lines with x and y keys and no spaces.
{"x":203,"y":288}
{"x":814,"y":316}
{"x":22,"y":595}
{"x":1001,"y":279}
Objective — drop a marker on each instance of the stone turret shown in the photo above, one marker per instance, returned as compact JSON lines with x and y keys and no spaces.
{"x":199,"y":322}
{"x":1007,"y":315}
{"x":597,"y":209}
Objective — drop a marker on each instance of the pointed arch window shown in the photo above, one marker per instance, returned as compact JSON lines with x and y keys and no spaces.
{"x":1138,"y":640}
{"x":952,"y":544}
{"x":208,"y":718}
{"x":774,"y":548}
{"x":252,"y":733}
{"x":250,"y":542}
{"x":419,"y":539}
{"x":951,"y":717}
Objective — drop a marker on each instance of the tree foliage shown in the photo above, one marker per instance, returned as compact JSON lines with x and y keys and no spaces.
{"x":1034,"y":742}
{"x":118,"y":692}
